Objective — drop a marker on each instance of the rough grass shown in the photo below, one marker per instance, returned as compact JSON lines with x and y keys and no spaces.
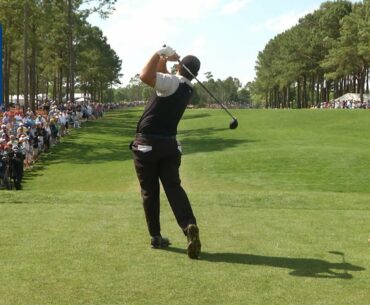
{"x":282,"y":203}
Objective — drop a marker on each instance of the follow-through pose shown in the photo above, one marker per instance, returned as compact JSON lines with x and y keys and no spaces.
{"x":157,"y":154}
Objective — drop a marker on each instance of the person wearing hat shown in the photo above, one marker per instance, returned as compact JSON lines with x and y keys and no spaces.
{"x":22,"y":130}
{"x":156,"y":152}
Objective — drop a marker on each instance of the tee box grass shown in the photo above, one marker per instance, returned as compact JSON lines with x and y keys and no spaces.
{"x":282,"y":203}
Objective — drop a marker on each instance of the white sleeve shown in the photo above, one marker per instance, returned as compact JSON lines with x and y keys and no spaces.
{"x":166,"y":84}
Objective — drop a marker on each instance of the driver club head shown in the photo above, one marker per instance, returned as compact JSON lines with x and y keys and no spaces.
{"x":233,"y":123}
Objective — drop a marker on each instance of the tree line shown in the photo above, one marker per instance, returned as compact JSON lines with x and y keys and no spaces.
{"x":324,"y":56}
{"x":230,"y":91}
{"x":50,"y":48}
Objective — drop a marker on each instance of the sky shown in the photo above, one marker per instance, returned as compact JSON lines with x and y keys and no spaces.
{"x":226,"y":35}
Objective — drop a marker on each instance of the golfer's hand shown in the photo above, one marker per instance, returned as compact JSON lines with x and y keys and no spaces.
{"x":174,"y":57}
{"x":166,"y":51}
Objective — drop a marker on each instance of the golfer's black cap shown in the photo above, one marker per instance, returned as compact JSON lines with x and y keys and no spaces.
{"x":192,"y":63}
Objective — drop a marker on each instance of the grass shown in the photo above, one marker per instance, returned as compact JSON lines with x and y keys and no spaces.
{"x":282,"y":203}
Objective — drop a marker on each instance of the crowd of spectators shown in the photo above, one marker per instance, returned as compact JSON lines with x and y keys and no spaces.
{"x":25,"y":134}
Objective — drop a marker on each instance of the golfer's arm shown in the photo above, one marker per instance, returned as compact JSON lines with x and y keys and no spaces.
{"x":149,"y":73}
{"x":162,"y":65}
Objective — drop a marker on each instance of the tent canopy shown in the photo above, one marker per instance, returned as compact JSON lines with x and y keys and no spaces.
{"x":354,"y":97}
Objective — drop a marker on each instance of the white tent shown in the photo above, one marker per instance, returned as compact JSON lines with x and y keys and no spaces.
{"x":353,"y":97}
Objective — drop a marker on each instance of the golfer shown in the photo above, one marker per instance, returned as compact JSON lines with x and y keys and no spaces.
{"x":156,"y":152}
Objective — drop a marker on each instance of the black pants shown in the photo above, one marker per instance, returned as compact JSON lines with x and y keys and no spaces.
{"x":160,"y":159}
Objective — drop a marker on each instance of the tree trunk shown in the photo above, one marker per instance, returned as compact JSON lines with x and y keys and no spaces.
{"x":60,"y":86}
{"x":71,"y":52}
{"x":299,"y":105}
{"x":336,"y":83}
{"x":266,"y":99}
{"x":327,"y":91}
{"x":323,"y":92}
{"x":25,"y":54}
{"x":67,"y":87}
{"x":318,"y":92}
{"x":47,"y":89}
{"x":276,"y":97}
{"x":33,"y":73}
{"x":361,"y":83}
{"x":18,"y":81}
{"x":37,"y":89}
{"x":354,"y":87}
{"x":55,"y":87}
{"x":101,"y":94}
{"x":6,"y":72}
{"x":304,"y":97}
{"x":343,"y":86}
{"x":288,"y":96}
{"x":312,"y":97}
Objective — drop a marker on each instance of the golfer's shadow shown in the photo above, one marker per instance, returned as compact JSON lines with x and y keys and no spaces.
{"x":305,"y":267}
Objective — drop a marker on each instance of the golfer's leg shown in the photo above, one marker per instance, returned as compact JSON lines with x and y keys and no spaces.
{"x":147,"y":173}
{"x":179,"y":202}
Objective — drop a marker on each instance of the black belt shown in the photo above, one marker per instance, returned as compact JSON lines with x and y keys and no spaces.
{"x":154,"y":136}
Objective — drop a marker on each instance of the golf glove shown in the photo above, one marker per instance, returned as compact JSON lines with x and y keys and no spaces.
{"x":166,"y":51}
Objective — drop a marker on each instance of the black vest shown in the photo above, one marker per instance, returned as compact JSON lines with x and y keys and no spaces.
{"x":162,"y":114}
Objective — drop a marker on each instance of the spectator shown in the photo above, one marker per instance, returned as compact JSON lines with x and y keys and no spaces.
{"x":22,"y":130}
{"x":17,"y":163}
{"x":27,"y":149}
{"x":53,"y":132}
{"x":29,"y":112}
{"x":5,"y":119}
{"x":24,"y":137}
{"x":4,"y":133}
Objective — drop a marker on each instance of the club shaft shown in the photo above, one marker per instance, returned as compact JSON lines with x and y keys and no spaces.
{"x":206,"y":89}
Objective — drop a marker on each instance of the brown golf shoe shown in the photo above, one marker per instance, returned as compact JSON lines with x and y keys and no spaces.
{"x":194,"y":245}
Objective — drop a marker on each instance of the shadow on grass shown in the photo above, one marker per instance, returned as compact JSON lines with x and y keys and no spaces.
{"x":303,"y":267}
{"x":189,"y":116}
{"x":207,"y":144}
{"x":107,"y":140}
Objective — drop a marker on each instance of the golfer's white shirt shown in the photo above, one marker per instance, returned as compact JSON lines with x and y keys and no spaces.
{"x":167,"y":84}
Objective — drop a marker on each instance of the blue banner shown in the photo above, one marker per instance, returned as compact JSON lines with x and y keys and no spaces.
{"x":1,"y":66}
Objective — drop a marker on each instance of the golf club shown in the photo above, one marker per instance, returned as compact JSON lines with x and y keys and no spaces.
{"x":234,"y":122}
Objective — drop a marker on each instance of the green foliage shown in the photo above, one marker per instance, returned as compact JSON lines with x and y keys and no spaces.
{"x":98,"y":64}
{"x":45,"y":35}
{"x":306,"y":58}
{"x":350,"y":54}
{"x":229,"y":91}
{"x":135,"y":91}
